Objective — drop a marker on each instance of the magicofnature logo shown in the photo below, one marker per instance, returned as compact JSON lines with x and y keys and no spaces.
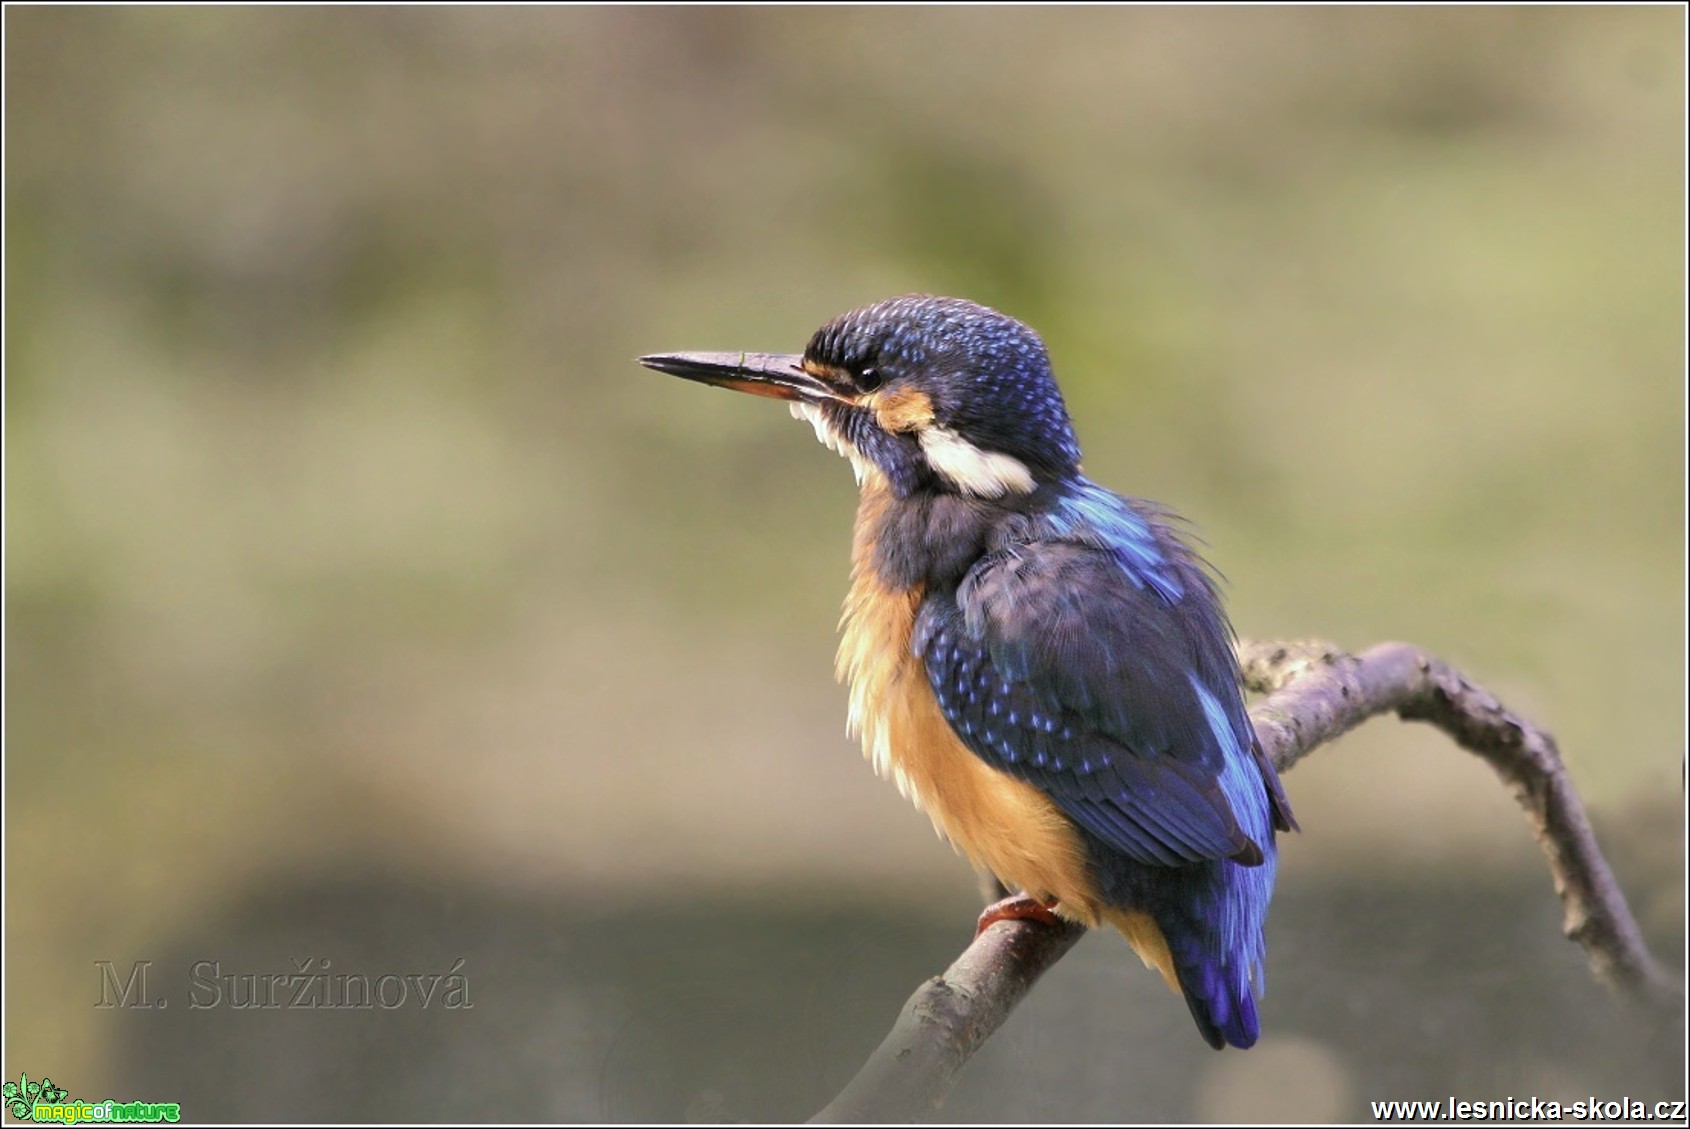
{"x":43,"y":1101}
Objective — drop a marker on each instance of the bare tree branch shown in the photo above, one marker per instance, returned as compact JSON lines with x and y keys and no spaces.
{"x":944,"y":1023}
{"x":1318,"y":692}
{"x":1315,"y":693}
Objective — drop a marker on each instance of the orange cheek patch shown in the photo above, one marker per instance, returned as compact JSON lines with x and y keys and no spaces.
{"x":903,"y":410}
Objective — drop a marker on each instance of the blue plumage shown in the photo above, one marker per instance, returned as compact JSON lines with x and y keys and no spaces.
{"x":1071,"y":640}
{"x":1089,"y":657}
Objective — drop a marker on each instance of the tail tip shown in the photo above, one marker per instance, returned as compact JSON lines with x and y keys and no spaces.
{"x":1225,"y":1011}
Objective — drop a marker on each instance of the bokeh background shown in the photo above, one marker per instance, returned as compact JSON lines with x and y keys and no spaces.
{"x":365,"y":603}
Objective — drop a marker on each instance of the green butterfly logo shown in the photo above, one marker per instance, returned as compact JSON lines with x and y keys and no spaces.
{"x":21,"y":1096}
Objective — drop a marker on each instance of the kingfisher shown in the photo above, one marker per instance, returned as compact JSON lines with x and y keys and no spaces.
{"x":1043,"y":666}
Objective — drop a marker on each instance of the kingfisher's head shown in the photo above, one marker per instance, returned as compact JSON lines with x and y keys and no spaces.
{"x":931,"y":394}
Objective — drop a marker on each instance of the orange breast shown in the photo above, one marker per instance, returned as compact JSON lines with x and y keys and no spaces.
{"x":1007,"y":826}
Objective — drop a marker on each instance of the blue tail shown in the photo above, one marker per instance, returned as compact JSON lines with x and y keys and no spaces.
{"x":1210,"y":916}
{"x":1216,"y":989}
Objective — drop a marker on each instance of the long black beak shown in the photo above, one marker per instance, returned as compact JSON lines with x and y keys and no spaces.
{"x":779,"y":375}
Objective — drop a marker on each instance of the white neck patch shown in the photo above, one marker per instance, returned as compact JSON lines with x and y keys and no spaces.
{"x":984,"y":474}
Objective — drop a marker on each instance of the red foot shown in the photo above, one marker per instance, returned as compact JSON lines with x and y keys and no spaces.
{"x":1017,"y":907}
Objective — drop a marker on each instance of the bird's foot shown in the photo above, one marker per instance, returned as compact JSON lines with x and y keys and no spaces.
{"x":1018,"y":907}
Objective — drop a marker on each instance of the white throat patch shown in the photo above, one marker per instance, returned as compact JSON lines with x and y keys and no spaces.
{"x":860,"y":466}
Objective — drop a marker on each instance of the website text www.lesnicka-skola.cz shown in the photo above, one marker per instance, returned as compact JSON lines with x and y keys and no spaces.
{"x":1530,"y":1109}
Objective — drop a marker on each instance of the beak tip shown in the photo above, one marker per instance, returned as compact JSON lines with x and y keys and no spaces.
{"x":663,"y":362}
{"x":780,"y":376}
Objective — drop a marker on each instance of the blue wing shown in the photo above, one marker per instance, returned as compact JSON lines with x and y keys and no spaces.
{"x":1091,"y":659}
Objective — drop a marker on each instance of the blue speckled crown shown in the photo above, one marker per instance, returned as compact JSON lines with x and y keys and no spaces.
{"x":989,"y":374}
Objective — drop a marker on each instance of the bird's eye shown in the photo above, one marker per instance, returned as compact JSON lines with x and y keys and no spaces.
{"x":869,"y":379}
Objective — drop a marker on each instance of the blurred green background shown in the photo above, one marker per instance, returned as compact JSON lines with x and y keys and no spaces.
{"x":362,"y":594}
